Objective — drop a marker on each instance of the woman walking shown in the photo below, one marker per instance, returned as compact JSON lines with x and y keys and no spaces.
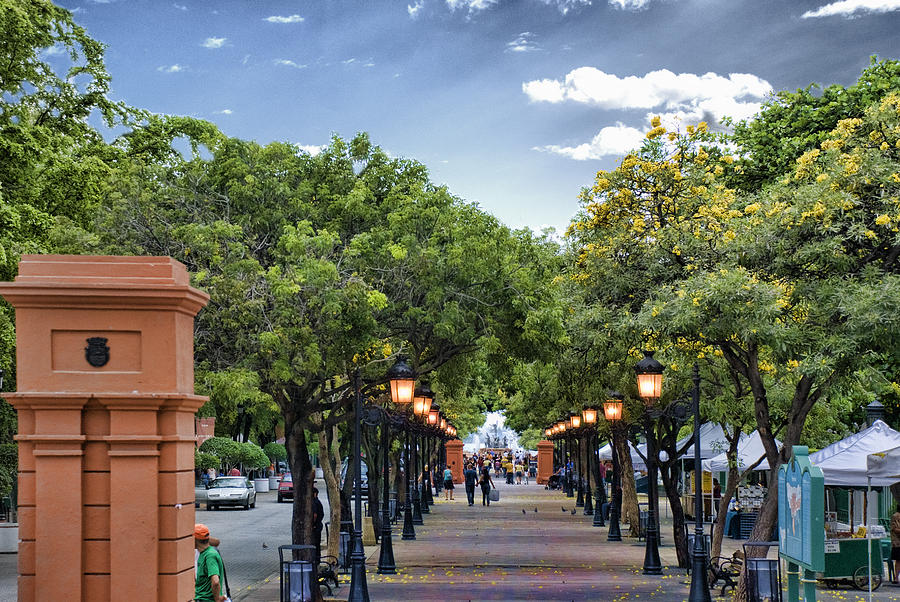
{"x":486,"y":483}
{"x":448,"y":484}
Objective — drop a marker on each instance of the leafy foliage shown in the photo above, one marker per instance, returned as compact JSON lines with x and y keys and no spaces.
{"x":205,"y":461}
{"x":276,"y":452}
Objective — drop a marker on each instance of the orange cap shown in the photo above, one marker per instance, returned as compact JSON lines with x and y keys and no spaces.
{"x":201,"y":531}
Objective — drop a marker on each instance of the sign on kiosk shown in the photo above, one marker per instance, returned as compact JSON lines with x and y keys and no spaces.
{"x":801,"y":521}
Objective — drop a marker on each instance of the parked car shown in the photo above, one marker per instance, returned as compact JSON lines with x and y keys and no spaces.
{"x":199,"y":495}
{"x":285,"y":488}
{"x":364,"y":474}
{"x":230,"y":491}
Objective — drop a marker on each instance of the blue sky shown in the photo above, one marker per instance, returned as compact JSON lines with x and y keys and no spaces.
{"x":513,"y":104}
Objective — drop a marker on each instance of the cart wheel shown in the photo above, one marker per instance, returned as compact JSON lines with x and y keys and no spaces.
{"x":861,"y":579}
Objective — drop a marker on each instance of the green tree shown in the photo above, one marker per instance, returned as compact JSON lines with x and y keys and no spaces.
{"x":317,"y":266}
{"x":793,"y":123}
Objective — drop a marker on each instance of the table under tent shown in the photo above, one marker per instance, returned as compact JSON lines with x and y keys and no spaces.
{"x":744,"y":510}
{"x":712,"y":441}
{"x":857,"y":505}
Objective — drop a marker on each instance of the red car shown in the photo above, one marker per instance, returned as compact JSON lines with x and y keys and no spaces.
{"x":285,"y":488}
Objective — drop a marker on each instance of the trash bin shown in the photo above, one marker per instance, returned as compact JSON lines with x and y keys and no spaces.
{"x":298,"y":577}
{"x":296,"y":581}
{"x":344,"y":551}
{"x":763,"y":574}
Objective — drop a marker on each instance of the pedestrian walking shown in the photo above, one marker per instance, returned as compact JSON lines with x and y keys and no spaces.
{"x":486,"y":484}
{"x":471,"y":478}
{"x":210,"y":582}
{"x":448,"y":484}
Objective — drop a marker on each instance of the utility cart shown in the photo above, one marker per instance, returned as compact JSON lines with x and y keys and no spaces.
{"x":848,"y":559}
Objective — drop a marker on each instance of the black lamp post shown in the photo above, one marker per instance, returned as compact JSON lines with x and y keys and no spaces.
{"x":434,"y":420}
{"x":567,"y":457}
{"x":409,"y":531}
{"x":359,"y":590}
{"x":699,"y":581}
{"x":589,"y":420}
{"x":402,"y":380}
{"x":612,"y":411}
{"x":575,"y":419}
{"x":874,"y":411}
{"x":421,"y":407}
{"x":649,"y":380}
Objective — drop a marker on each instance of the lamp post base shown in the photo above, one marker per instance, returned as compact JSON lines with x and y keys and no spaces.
{"x":359,"y":590}
{"x":386,"y":563}
{"x":409,"y":531}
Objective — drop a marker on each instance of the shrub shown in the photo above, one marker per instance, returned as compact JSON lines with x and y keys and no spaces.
{"x":276,"y":452}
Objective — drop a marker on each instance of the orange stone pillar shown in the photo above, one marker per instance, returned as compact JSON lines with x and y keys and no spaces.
{"x":545,"y":462}
{"x":105,"y":381}
{"x":455,"y":459}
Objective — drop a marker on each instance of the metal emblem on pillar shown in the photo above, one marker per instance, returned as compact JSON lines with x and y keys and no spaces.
{"x":97,"y":352}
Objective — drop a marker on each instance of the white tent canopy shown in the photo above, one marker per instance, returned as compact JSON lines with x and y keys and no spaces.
{"x":884,"y":466}
{"x":637,"y":462}
{"x":845,"y":463}
{"x":712,"y":442}
{"x":750,"y":449}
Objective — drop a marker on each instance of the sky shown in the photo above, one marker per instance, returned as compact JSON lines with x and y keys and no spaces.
{"x":512,"y":104}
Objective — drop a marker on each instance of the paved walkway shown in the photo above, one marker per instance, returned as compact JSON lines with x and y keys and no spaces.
{"x":501,"y":553}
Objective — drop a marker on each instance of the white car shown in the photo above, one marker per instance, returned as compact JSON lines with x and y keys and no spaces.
{"x":230,"y":491}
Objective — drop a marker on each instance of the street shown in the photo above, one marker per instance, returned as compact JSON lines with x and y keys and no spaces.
{"x":243,"y":533}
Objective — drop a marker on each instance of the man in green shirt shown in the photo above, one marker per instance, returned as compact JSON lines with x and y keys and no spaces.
{"x":210,"y":568}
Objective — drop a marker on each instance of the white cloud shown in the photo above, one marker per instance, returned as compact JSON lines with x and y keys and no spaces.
{"x":288,"y":19}
{"x":223,"y":112}
{"x":311,"y":149}
{"x":349,"y":61}
{"x":214,"y":42}
{"x":611,"y":140}
{"x":524,"y":42}
{"x":848,"y":8}
{"x":55,"y":50}
{"x":737,"y":95}
{"x":565,"y":6}
{"x":180,"y":6}
{"x":630,"y":4}
{"x":176,"y":68}
{"x":471,"y":5}
{"x":289,"y":63}
{"x":413,"y":9}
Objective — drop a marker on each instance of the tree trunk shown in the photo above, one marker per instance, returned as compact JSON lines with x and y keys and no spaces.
{"x":719,"y":525}
{"x":630,"y":512}
{"x":669,"y":472}
{"x":373,"y":460}
{"x":330,"y":459}
{"x":303,"y":475}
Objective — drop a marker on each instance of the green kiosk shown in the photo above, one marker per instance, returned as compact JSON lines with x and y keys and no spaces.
{"x":801,"y":522}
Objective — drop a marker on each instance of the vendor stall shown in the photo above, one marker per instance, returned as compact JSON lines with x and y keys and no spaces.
{"x":744,"y":508}
{"x":856,"y":515}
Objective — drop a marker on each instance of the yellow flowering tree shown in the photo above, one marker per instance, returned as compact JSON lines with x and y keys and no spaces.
{"x":804,"y":295}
